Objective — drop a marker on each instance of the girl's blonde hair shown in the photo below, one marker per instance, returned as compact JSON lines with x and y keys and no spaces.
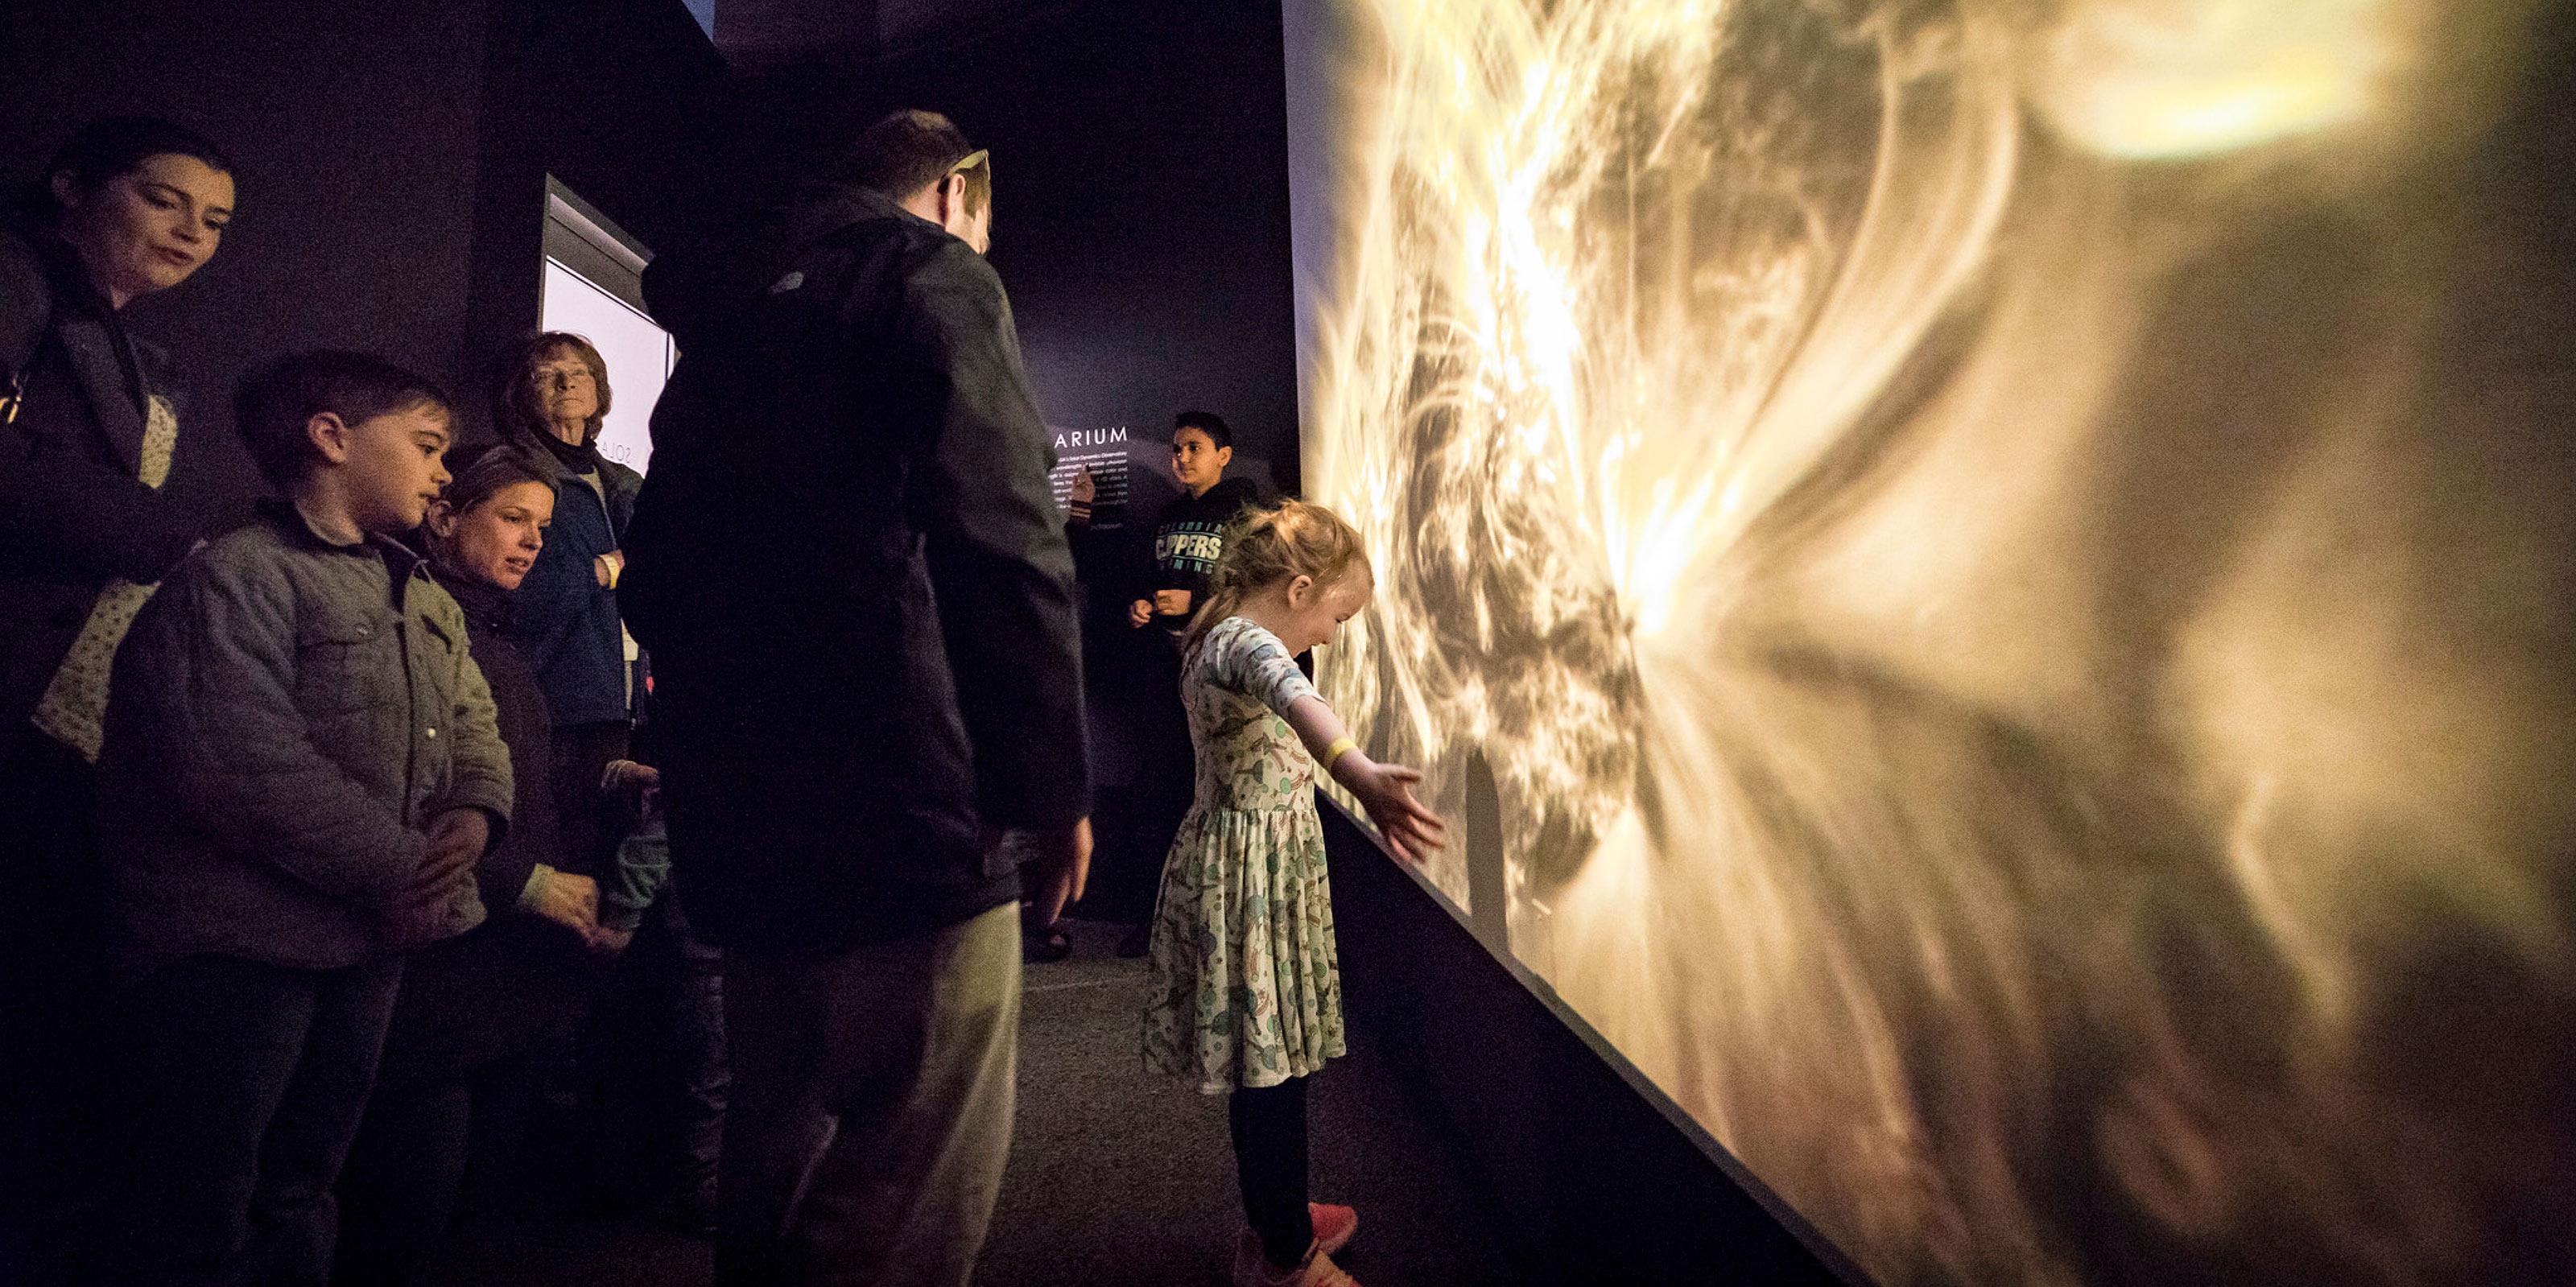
{"x":1268,"y":544}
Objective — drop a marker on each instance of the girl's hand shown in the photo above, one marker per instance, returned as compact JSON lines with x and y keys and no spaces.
{"x":1411,"y":829}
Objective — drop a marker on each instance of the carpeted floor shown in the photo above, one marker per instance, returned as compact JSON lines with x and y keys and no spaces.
{"x":1115,"y":1177}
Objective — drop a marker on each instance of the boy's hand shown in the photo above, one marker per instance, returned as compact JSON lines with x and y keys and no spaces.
{"x":457,"y":839}
{"x":570,"y":901}
{"x":1140,"y":612}
{"x":469,"y":826}
{"x":606,"y":568}
{"x":1411,"y":829}
{"x":1171,"y":603}
{"x":1084,"y":489}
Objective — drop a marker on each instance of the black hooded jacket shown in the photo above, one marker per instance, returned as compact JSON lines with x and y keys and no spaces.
{"x":853,"y":579}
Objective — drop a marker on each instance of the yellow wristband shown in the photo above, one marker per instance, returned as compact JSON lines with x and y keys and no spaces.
{"x":1333,"y":754}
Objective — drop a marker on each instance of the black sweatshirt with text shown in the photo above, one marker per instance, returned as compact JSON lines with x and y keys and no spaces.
{"x":1189,"y":539}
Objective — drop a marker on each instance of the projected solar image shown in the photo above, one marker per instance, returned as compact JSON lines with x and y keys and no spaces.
{"x":2009,"y":566}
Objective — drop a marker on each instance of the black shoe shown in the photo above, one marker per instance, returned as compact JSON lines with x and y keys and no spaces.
{"x":1134,"y":944}
{"x":1038,"y":949}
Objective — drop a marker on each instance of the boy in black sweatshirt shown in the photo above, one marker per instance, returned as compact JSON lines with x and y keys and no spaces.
{"x":1191,"y":533}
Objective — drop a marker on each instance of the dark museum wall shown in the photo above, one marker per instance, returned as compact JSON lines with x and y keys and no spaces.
{"x":391,"y":160}
{"x":354,"y":128}
{"x":623,"y":102}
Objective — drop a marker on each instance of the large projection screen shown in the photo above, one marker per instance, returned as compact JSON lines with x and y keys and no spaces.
{"x":1995,"y":582}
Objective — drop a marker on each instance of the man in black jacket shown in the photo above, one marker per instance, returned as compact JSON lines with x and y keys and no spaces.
{"x":851,"y":573}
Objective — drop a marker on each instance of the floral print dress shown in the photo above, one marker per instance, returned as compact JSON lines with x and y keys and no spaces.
{"x":1243,"y":985}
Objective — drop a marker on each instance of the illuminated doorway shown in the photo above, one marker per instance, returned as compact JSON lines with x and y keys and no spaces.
{"x":594,"y":288}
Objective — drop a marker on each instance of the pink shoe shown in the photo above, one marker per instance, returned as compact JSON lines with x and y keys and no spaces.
{"x":1252,"y":1269}
{"x":1334,"y":1225}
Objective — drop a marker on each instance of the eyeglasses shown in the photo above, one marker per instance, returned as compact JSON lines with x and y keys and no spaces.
{"x":980,"y":156}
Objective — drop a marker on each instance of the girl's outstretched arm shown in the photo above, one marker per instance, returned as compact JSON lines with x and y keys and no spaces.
{"x":1411,"y":829}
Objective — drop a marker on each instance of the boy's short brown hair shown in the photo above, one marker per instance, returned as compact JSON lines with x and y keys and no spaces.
{"x":912,"y":149}
{"x":1206,"y":422}
{"x":276,"y":402}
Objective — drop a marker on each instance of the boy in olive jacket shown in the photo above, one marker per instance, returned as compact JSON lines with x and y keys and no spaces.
{"x":301,"y":767}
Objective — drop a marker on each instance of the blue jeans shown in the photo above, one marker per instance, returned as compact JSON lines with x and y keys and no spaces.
{"x":245,"y":1083}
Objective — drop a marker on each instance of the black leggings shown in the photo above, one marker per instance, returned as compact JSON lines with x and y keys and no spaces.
{"x":1269,"y":1129}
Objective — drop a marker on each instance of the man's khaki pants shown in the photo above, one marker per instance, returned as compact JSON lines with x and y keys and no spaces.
{"x":871,"y":1109}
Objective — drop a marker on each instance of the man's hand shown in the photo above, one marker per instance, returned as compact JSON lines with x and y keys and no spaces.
{"x":1140,"y":612}
{"x":570,"y":901}
{"x":1410,"y":828}
{"x":1059,"y":864}
{"x":1171,"y":603}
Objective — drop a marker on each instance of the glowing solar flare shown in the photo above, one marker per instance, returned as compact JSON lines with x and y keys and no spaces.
{"x":2021,"y":684}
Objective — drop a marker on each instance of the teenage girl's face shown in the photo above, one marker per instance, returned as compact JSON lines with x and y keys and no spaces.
{"x":147,"y":229}
{"x":495,"y":542}
{"x":1316,"y":613}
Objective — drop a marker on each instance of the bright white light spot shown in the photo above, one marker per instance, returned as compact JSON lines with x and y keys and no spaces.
{"x":2144,"y":79}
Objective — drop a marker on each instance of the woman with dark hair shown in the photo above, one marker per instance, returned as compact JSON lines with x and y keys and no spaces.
{"x":88,"y":434}
{"x":478,"y":1013}
{"x":549,"y":399}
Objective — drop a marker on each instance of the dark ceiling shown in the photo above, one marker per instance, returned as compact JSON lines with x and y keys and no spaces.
{"x":759,"y":34}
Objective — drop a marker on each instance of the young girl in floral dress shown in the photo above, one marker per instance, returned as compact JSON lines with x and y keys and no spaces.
{"x":1245,"y":994}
